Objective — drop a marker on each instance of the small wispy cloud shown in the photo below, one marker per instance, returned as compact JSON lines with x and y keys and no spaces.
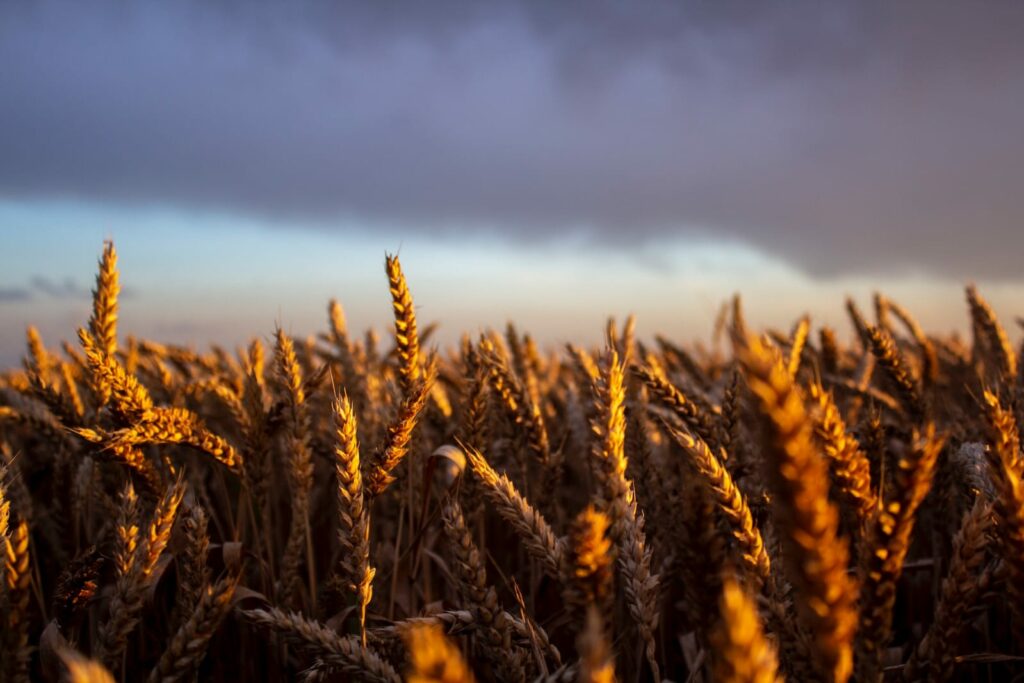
{"x":9,"y":294}
{"x":43,"y":287}
{"x":62,"y":289}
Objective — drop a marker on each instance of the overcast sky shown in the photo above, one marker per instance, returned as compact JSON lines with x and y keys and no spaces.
{"x":828,"y":147}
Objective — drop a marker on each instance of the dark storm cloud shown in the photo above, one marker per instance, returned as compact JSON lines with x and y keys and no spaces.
{"x":845,"y":137}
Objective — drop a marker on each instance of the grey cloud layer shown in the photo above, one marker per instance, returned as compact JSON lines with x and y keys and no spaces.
{"x":845,"y":137}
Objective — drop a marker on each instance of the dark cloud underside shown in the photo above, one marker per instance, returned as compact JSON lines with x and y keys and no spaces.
{"x":845,"y":137}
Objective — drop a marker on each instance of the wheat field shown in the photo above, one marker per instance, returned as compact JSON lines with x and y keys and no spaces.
{"x":765,"y":506}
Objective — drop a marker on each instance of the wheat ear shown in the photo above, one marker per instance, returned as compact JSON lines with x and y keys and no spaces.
{"x":588,"y":572}
{"x":406,"y":337}
{"x":517,"y":400}
{"x":730,"y":502}
{"x":815,"y":555}
{"x":885,"y":546}
{"x":929,"y":357}
{"x":433,"y":658}
{"x":344,"y":653}
{"x":675,"y":400}
{"x":741,"y":653}
{"x":473,"y":425}
{"x":797,"y":344}
{"x":849,"y":462}
{"x":172,"y":426}
{"x":1006,"y":469}
{"x":587,"y":588}
{"x":995,"y":337}
{"x":103,"y":322}
{"x":186,"y":650}
{"x":483,"y":599}
{"x":351,"y":378}
{"x":934,"y":657}
{"x":5,"y":506}
{"x":538,"y":538}
{"x":597,"y":663}
{"x":131,"y":401}
{"x":353,"y":514}
{"x":131,"y":586}
{"x":193,"y":572}
{"x":300,"y":463}
{"x":634,"y":555}
{"x":380,"y":474}
{"x":896,"y":367}
{"x":81,"y":669}
{"x":17,"y":575}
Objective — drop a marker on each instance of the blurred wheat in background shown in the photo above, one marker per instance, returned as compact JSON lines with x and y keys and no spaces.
{"x":767,"y":506}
